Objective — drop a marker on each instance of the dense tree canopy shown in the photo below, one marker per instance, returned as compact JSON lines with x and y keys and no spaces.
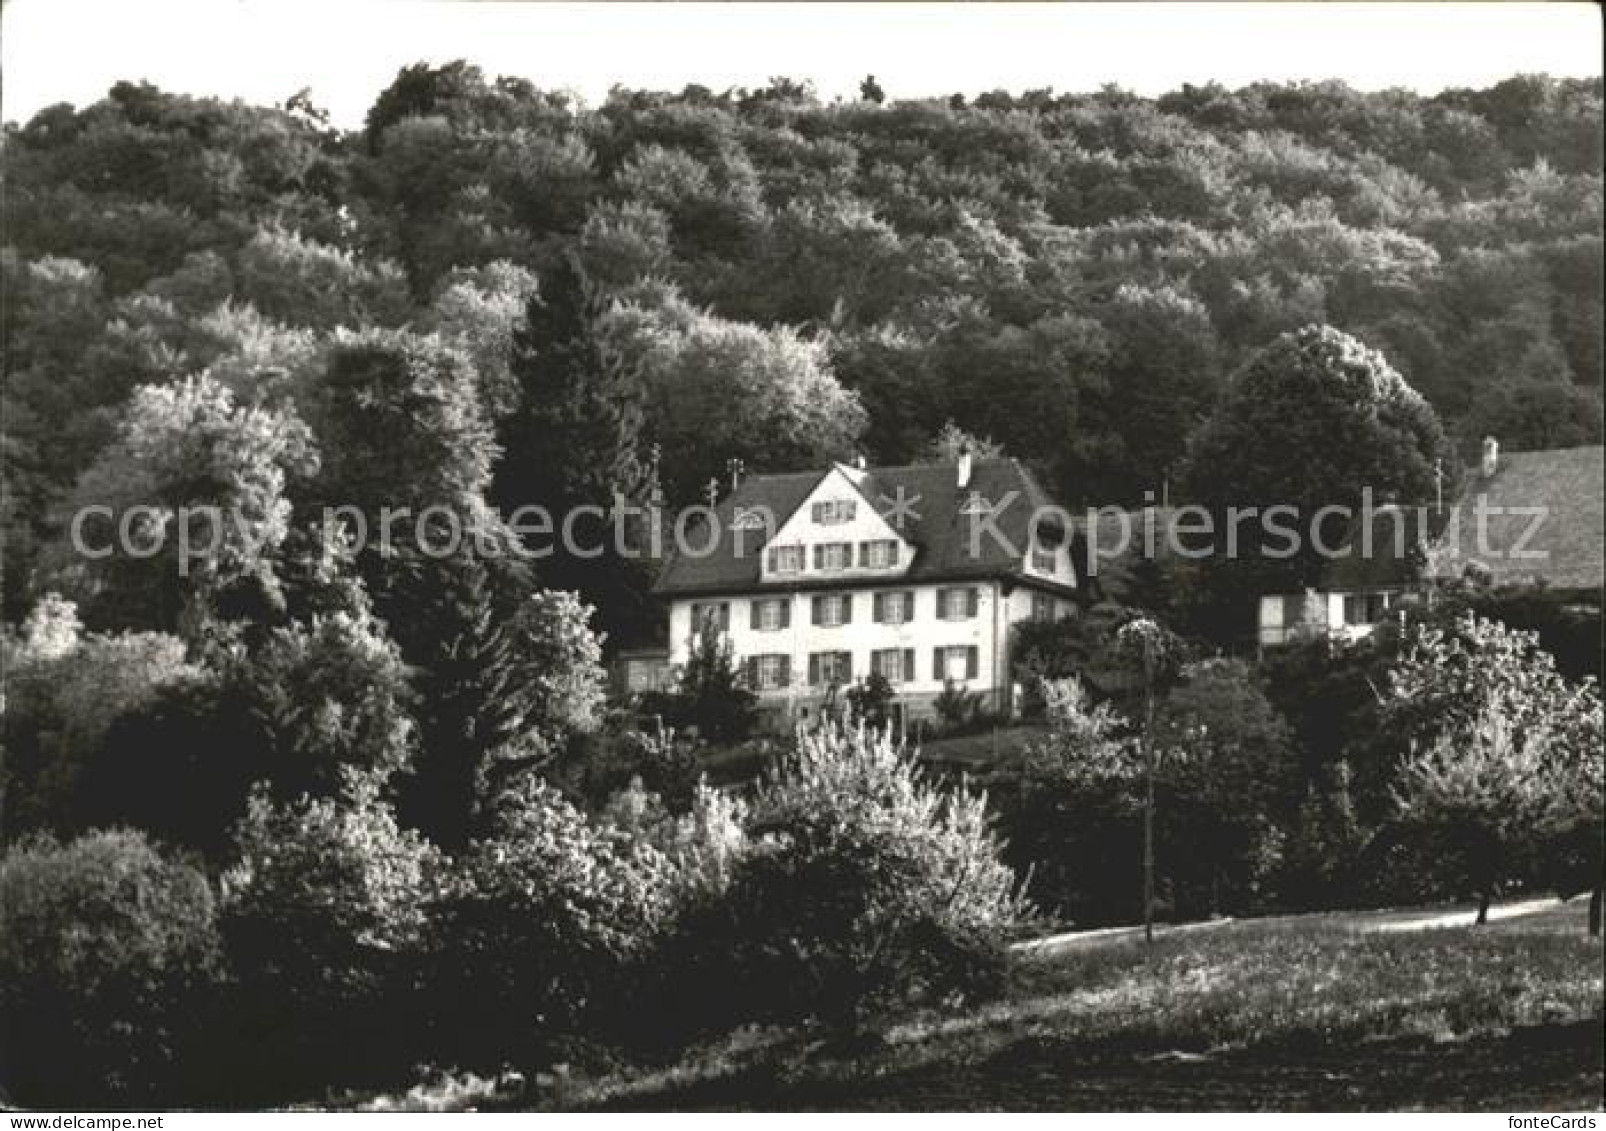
{"x":1072,"y":276}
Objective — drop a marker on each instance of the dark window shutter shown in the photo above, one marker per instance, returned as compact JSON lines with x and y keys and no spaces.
{"x":878,"y":607}
{"x":753,"y":614}
{"x":750,"y":666}
{"x":875,"y":663}
{"x":972,"y":602}
{"x":786,"y":613}
{"x":864,"y":553}
{"x":972,"y":661}
{"x":847,"y":608}
{"x":908,"y":663}
{"x":844,"y":666}
{"x":816,"y":607}
{"x":819,"y":556}
{"x":936,"y":665}
{"x":814,"y":669}
{"x":773,"y":557}
{"x":786,"y":671}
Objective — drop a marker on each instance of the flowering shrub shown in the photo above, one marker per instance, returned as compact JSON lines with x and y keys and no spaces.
{"x":865,"y":886}
{"x":551,"y":911}
{"x":327,"y":916}
{"x":108,"y":954}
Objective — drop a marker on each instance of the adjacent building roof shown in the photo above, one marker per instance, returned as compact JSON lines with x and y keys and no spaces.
{"x":923,"y":502}
{"x":1538,"y":518}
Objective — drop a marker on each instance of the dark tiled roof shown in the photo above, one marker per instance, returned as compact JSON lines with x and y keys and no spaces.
{"x":1568,"y":484}
{"x":934,"y":524}
{"x":1388,"y":556}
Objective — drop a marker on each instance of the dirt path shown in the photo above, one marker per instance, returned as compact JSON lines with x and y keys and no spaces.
{"x":1365,"y":922}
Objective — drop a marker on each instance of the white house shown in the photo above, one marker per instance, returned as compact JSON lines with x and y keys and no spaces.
{"x":1520,"y":518}
{"x":919,"y":573}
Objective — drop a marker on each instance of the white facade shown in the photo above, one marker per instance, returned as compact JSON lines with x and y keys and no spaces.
{"x":836,"y":555}
{"x":1345,"y":615}
{"x":975,"y":644}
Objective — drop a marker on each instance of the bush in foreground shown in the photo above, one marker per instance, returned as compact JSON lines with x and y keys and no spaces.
{"x":327,"y":916}
{"x":109,"y":954}
{"x":542,"y":930}
{"x":866,"y":886}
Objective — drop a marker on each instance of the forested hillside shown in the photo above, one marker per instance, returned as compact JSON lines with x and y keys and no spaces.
{"x":1072,"y":276}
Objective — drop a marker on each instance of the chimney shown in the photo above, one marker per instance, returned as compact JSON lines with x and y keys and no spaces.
{"x":1491,"y":456}
{"x":964,"y":467}
{"x":858,"y":462}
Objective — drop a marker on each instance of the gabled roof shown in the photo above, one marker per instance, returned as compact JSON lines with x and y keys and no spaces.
{"x":1568,"y":486}
{"x":931,"y":518}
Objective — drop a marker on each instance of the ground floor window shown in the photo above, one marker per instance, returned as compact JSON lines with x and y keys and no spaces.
{"x":895,"y":665}
{"x":826,"y":668}
{"x":770,"y":672}
{"x":956,"y":663}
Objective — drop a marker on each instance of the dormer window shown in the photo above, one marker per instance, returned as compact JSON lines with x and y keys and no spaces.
{"x":1043,"y":560}
{"x":880,"y":554}
{"x":833,"y":512}
{"x":786,"y":559}
{"x":833,"y":555}
{"x":753,"y":518}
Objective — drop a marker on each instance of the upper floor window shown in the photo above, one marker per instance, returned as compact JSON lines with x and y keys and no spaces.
{"x":957,"y":604}
{"x":786,"y":559}
{"x":770,"y":672}
{"x":832,"y":609}
{"x":832,"y":512}
{"x":711,"y":615}
{"x":1044,"y":560}
{"x":894,"y":608}
{"x":880,"y":554}
{"x":833,"y":555}
{"x":771,"y":615}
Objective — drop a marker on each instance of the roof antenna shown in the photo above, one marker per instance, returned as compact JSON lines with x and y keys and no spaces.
{"x":1438,"y":486}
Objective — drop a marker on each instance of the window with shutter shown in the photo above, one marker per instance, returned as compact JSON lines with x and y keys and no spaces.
{"x":831,"y":512}
{"x":772,"y":671}
{"x":957,"y":603}
{"x":711,"y":615}
{"x":895,"y":665}
{"x":972,"y":662}
{"x":879,"y":554}
{"x":833,"y":609}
